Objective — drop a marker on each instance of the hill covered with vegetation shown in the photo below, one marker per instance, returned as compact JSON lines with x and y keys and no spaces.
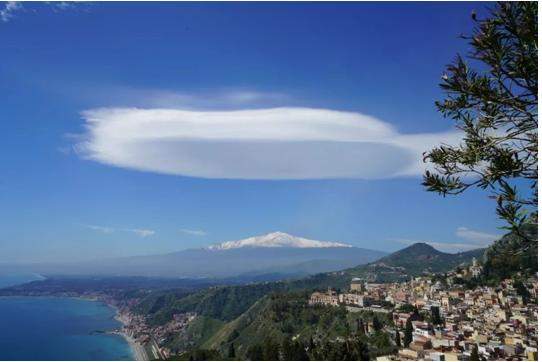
{"x":228,"y":302}
{"x":514,"y":255}
{"x":414,"y":260}
{"x":282,"y":325}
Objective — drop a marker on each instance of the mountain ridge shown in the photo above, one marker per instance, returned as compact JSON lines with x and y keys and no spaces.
{"x":413,"y":260}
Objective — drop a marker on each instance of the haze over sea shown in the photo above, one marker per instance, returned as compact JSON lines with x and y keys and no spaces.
{"x":40,"y":328}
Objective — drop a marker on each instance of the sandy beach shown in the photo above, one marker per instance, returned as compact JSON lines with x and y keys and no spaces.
{"x":138,"y":350}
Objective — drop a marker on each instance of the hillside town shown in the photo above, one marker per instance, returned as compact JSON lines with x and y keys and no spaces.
{"x":151,"y":339}
{"x":439,"y":319}
{"x":432,"y":317}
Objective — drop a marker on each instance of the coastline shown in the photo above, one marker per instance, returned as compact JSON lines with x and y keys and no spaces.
{"x":122,"y":348}
{"x":138,"y":351}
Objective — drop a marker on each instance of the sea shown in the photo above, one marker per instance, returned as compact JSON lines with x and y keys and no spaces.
{"x":50,"y":328}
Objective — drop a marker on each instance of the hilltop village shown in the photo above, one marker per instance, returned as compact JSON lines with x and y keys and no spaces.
{"x":438,"y":319}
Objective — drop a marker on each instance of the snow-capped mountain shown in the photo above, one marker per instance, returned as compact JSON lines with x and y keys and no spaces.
{"x":266,"y":257}
{"x":277,"y":240}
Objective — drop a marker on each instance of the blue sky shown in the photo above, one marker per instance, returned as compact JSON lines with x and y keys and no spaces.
{"x":135,"y":128}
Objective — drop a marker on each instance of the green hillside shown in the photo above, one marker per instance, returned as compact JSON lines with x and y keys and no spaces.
{"x":513,"y":255}
{"x":228,"y":302}
{"x":198,"y":332}
{"x":284,"y":323}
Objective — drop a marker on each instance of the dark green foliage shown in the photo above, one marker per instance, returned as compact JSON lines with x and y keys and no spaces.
{"x":271,"y":350}
{"x":496,"y":108}
{"x":231,"y":351}
{"x":360,"y":327}
{"x":381,"y":343}
{"x":234,"y":335}
{"x":436,"y":319}
{"x":377,"y":325}
{"x":474,"y":355}
{"x":298,"y":351}
{"x":522,"y":290}
{"x":351,"y":349}
{"x":203,"y":355}
{"x":360,"y":350}
{"x":406,"y":308}
{"x":312,"y":345}
{"x":255,"y":352}
{"x":287,"y":350}
{"x":416,"y":316}
{"x":510,"y":256}
{"x":408,"y":334}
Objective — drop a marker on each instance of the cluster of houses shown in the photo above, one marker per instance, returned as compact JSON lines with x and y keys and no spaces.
{"x":489,"y":322}
{"x":355,"y":298}
{"x":135,"y":326}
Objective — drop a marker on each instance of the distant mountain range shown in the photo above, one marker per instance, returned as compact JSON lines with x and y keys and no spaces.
{"x":268,"y":257}
{"x":271,"y":256}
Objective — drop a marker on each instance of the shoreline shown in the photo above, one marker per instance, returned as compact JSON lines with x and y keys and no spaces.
{"x":138,"y":351}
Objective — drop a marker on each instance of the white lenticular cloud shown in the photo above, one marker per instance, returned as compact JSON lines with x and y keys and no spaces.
{"x":274,"y":143}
